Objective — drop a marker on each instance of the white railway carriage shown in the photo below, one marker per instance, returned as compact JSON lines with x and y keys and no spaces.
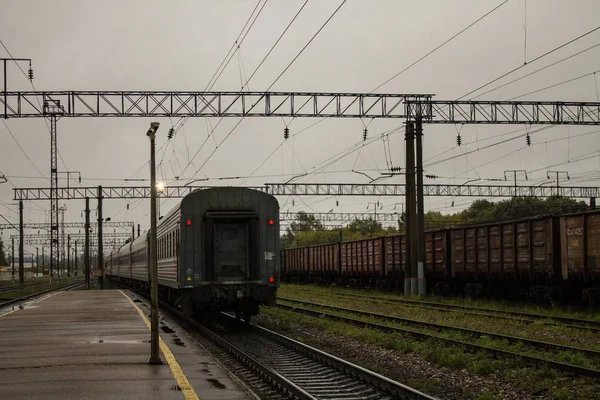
{"x":218,"y":249}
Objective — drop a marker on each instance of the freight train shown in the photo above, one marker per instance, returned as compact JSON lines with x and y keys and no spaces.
{"x":217,"y":250}
{"x":545,"y":257}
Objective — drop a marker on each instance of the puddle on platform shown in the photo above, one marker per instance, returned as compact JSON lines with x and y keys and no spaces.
{"x":166,"y":329}
{"x":216,"y":383}
{"x":179,"y":342}
{"x":118,"y":341}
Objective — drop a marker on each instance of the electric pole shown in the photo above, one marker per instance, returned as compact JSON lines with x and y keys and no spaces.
{"x":154,"y":337}
{"x":558,"y":174}
{"x":515,"y":172}
{"x":21,"y":243}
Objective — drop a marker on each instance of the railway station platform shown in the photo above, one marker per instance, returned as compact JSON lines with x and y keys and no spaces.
{"x":96,"y":345}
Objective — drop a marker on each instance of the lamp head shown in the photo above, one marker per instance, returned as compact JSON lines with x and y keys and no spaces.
{"x":153,"y":128}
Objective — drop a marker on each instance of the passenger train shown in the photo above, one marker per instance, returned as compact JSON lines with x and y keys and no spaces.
{"x":217,"y":250}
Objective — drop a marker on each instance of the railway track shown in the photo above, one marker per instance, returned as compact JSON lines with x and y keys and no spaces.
{"x":279,"y":367}
{"x":68,"y":286}
{"x":442,"y":327}
{"x":531,"y":360}
{"x":4,"y":289}
{"x":575,"y":323}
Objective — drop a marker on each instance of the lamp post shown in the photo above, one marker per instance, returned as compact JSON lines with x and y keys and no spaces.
{"x":154,"y":336}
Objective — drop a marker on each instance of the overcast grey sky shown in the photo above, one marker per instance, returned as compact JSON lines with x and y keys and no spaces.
{"x":178,"y":45}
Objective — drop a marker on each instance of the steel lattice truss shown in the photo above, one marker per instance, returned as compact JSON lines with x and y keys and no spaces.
{"x":80,"y":225}
{"x":73,"y":235}
{"x":298,"y":104}
{"x":343,"y":217}
{"x":93,"y":243}
{"x":318,"y":189}
{"x":209,"y":104}
{"x":347,"y":189}
{"x":504,"y":112}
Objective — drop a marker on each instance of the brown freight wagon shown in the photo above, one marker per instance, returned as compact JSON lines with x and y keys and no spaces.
{"x":324,"y":262}
{"x":496,"y":257}
{"x":362,"y":262}
{"x":296,"y":265}
{"x":580,"y":254}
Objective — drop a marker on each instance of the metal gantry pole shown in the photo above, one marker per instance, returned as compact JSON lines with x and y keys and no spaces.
{"x":100,"y":249}
{"x":21,"y":245}
{"x":76,"y":272}
{"x":86,"y":257}
{"x":54,"y":244}
{"x":68,"y":256}
{"x":154,"y":335}
{"x":43,"y":262}
{"x":63,"y":250}
{"x":410,"y":165}
{"x":421,"y":258}
{"x":12,"y":256}
{"x":37,"y":262}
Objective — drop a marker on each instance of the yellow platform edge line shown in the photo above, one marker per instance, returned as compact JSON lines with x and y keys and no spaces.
{"x":182,"y":380}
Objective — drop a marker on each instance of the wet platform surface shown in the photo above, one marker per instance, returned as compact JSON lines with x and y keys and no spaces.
{"x":96,"y":345}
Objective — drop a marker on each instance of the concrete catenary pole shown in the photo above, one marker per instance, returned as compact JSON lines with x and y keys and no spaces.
{"x":100,"y":248}
{"x":21,"y":242}
{"x":421,"y":256}
{"x":86,"y":257}
{"x":154,"y":337}
{"x":409,"y":136}
{"x":68,"y":256}
{"x":12,"y":258}
{"x":76,"y":258}
{"x":412,"y":214}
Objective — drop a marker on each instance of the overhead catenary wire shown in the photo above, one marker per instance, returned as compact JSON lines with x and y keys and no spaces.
{"x":555,"y":85}
{"x":274,"y":82}
{"x":442,"y":44}
{"x":307,"y":44}
{"x":529,"y":63}
{"x":538,"y":70}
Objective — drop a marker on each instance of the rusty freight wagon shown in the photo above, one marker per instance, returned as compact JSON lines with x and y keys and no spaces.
{"x":545,"y":257}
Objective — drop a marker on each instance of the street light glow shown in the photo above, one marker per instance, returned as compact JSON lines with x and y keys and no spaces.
{"x":160,"y":186}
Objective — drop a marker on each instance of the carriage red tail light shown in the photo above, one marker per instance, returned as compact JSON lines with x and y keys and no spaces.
{"x":189,"y":222}
{"x":271,"y":279}
{"x":271,"y":222}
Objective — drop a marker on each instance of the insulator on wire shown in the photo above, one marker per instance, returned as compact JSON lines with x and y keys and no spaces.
{"x":171,"y":133}
{"x":365,"y":134}
{"x":286,"y":133}
{"x":528,"y":139}
{"x":30,"y":74}
{"x":458,"y":139}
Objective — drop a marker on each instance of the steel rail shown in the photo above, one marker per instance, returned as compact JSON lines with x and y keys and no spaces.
{"x":67,"y":286}
{"x":531,"y":360}
{"x":4,"y":289}
{"x":565,"y":321}
{"x":513,"y":339}
{"x":280,"y":382}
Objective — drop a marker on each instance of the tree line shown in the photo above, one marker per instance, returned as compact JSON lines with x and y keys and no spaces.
{"x":307,"y":230}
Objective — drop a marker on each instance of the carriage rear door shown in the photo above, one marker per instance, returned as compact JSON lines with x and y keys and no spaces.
{"x":232,"y":255}
{"x":231,"y":251}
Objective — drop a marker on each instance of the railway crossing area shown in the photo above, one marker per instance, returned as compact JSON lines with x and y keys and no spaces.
{"x":95,"y":345}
